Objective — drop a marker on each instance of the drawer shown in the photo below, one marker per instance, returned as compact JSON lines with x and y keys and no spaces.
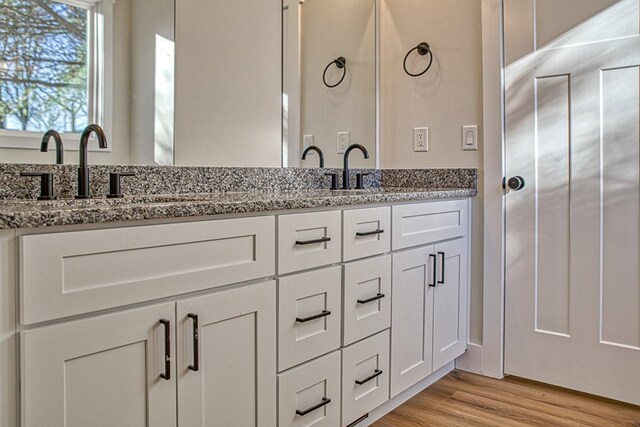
{"x":367,"y":232}
{"x":418,"y":224}
{"x":367,"y":298}
{"x":309,"y":315}
{"x":365,"y":377}
{"x":308,"y":240}
{"x":309,"y":395}
{"x":65,"y":274}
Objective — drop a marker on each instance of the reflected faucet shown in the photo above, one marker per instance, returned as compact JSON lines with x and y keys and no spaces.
{"x":44,"y":145}
{"x":83,"y":169}
{"x":345,"y":172}
{"x":317,"y":150}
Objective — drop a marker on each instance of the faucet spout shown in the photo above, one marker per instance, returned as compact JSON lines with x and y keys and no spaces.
{"x":317,"y":150}
{"x":44,"y":145}
{"x":83,"y":169}
{"x":346,"y":185}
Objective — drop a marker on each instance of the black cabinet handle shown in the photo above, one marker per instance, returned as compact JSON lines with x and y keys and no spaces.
{"x":313,"y":242}
{"x":324,"y":313}
{"x":324,"y":402}
{"x":433,"y":257}
{"x":375,"y":374}
{"x":196,"y":343}
{"x":370,"y":233}
{"x":167,"y":349}
{"x":372,"y":299}
{"x":442,"y":254}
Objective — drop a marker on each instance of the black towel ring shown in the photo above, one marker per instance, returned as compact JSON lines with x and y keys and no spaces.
{"x":423,"y":48}
{"x":341,"y":63}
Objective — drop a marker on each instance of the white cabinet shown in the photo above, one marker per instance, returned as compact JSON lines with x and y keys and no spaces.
{"x":429,"y":311}
{"x":113,"y":370}
{"x":366,"y":232}
{"x":423,"y":223}
{"x":227,"y":358}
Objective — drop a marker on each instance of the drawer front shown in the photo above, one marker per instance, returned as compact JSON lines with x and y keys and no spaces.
{"x":365,"y":377}
{"x":423,"y":223}
{"x":309,"y":395}
{"x":309,"y":314}
{"x":308,"y":240}
{"x":367,"y":298}
{"x":65,"y":274}
{"x":367,"y":232}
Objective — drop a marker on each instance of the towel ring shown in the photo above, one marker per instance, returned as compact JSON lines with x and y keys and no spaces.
{"x":341,"y":63}
{"x":423,"y":49}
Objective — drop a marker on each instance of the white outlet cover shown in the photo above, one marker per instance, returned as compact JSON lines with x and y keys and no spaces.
{"x":421,"y":139}
{"x":307,"y":140}
{"x":342,"y":142}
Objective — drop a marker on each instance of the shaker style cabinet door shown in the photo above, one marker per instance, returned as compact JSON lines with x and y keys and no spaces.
{"x":113,"y":370}
{"x":227,"y":358}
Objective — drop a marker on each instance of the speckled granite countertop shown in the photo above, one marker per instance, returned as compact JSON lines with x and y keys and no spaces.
{"x":30,"y":213}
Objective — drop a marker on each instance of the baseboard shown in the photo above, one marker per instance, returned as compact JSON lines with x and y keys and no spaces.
{"x":471,"y":360}
{"x":392,"y":404}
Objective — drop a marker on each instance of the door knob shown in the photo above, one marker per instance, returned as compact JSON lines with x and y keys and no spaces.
{"x":516,"y":183}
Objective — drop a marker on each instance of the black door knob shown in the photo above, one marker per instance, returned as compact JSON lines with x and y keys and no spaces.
{"x":516,"y":183}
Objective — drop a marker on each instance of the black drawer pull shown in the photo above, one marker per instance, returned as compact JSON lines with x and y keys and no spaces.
{"x":376,"y":374}
{"x":434,"y":258}
{"x":441,"y":281}
{"x":196,"y":343}
{"x":167,"y":349}
{"x":313,"y":242}
{"x":372,"y":299}
{"x":370,"y":233}
{"x":324,"y":313}
{"x":324,"y":402}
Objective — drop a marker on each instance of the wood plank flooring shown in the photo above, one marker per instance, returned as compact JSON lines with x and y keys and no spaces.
{"x":463,"y":399}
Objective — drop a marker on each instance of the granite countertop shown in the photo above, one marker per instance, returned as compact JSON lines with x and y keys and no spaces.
{"x":19,"y":213}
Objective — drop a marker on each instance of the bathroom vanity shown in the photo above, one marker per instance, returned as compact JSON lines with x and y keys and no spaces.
{"x":325,"y":310}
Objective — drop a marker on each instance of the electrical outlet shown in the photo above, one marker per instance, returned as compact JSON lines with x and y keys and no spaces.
{"x":343,"y":142}
{"x":307,"y":141}
{"x":470,"y":138}
{"x":420,"y":139}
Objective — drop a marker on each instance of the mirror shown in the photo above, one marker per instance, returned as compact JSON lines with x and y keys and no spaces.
{"x":329,"y":80}
{"x":67,"y":63}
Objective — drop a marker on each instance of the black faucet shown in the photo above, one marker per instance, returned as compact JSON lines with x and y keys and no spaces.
{"x":83,"y":169}
{"x":317,"y":150}
{"x":44,"y":145}
{"x":345,"y":172}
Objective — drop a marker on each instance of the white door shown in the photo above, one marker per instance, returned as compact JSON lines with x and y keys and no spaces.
{"x":450,"y":302}
{"x":114,"y":370}
{"x":573,"y":231}
{"x":227,"y":358}
{"x":414,"y":281}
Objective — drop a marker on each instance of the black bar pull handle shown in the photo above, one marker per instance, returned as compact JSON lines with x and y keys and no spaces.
{"x":433,"y":257}
{"x":370,"y":233}
{"x":375,"y":374}
{"x":442,"y":261}
{"x":372,"y":299}
{"x":196,"y":343}
{"x":324,"y":402}
{"x":324,"y":313}
{"x":313,"y":242}
{"x":167,"y":349}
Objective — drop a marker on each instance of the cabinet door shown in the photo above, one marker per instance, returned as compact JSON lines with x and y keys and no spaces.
{"x":104,"y":371}
{"x":450,"y":303}
{"x":227,"y":358}
{"x":412,"y":317}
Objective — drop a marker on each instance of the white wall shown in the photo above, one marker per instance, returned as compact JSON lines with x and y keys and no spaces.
{"x":228,"y":84}
{"x":447,"y":97}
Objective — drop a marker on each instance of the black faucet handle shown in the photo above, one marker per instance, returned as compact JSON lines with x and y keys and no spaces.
{"x":115,"y":190}
{"x":46,"y":184}
{"x":360,"y":180}
{"x":334,"y":180}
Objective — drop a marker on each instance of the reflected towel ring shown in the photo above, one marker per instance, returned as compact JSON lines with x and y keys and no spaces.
{"x":423,"y":48}
{"x":341,"y":63}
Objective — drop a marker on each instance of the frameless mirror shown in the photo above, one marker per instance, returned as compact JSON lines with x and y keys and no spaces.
{"x":67,"y":63}
{"x":329,"y":80}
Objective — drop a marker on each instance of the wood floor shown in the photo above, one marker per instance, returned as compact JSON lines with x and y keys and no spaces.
{"x":463,"y":399}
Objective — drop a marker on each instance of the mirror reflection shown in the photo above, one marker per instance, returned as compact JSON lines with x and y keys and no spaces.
{"x":67,"y":63}
{"x":329,"y":87}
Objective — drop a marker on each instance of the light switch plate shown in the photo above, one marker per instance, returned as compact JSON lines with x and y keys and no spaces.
{"x":420,"y":139}
{"x":470,"y":138}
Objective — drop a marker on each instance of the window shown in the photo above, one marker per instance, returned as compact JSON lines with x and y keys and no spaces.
{"x":52,"y":74}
